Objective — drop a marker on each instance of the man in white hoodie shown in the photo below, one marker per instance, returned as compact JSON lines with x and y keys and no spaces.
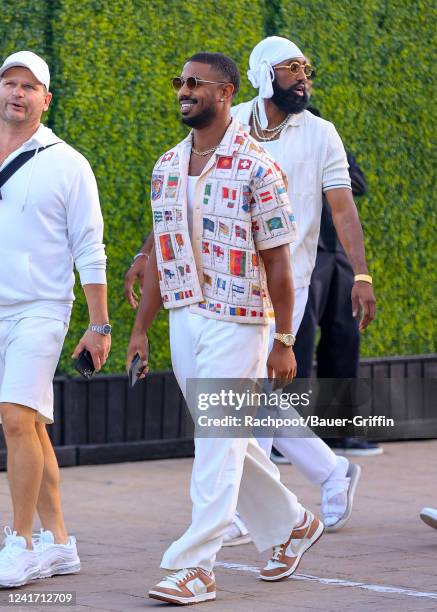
{"x":50,"y":218}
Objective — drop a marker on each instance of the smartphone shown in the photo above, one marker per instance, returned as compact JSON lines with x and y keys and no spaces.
{"x":84,"y":364}
{"x":137,"y":367}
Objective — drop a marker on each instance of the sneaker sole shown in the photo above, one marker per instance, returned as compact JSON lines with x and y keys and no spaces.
{"x":316,"y":536}
{"x":354,"y":473}
{"x":33,"y":576}
{"x":350,"y":452}
{"x":429,"y":520}
{"x":246,"y":539}
{"x":280,"y":460}
{"x":183,"y":601}
{"x":65,"y":568}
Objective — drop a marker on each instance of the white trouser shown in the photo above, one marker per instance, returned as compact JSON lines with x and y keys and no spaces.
{"x":311,"y":456}
{"x":226,"y":469}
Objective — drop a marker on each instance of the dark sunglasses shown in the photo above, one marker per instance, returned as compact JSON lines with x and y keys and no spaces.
{"x":191,"y":82}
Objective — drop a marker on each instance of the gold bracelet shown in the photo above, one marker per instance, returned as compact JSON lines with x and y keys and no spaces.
{"x":363,"y":277}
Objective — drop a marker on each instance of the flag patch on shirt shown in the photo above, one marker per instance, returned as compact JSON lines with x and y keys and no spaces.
{"x":179,"y":242}
{"x":240,"y":232}
{"x":221,"y":284}
{"x":238,"y":311}
{"x":167,"y":156}
{"x":208,"y":224}
{"x":244,"y":164}
{"x":237,"y":262}
{"x":224,"y":229}
{"x":246,"y":197}
{"x":157,"y":183}
{"x":274,"y":223}
{"x":265,"y":196}
{"x":240,"y":289}
{"x":207,"y":193}
{"x":166,"y":247}
{"x":224,"y":162}
{"x":218,"y":251}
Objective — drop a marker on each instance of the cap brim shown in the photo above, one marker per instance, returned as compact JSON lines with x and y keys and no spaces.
{"x":20,"y":65}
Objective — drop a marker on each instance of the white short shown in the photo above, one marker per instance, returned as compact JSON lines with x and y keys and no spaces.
{"x":29,"y":353}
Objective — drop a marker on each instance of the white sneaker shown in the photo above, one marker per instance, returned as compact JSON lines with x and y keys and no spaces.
{"x":56,"y":558}
{"x":429,"y":516}
{"x":237,"y":533}
{"x":18,"y":564}
{"x":338,"y":498}
{"x":186,"y":586}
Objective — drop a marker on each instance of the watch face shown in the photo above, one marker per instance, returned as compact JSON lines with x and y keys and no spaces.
{"x":107,"y":329}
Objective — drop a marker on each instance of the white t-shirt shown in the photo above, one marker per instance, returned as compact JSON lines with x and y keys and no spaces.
{"x":273,"y":147}
{"x":191,"y":192}
{"x":311,"y":154}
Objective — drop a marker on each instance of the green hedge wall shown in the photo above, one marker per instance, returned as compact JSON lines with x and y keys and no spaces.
{"x":24,"y":24}
{"x":376,"y":81}
{"x":111,"y":64}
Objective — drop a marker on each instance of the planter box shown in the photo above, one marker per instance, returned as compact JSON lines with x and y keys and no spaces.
{"x":102,"y":421}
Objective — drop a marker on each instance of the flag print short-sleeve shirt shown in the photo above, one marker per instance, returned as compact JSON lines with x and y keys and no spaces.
{"x":241,"y":207}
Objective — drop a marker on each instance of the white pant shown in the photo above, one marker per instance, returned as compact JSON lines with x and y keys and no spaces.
{"x":311,"y":456}
{"x":226,"y":469}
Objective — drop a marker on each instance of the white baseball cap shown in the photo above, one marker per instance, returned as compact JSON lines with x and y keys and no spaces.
{"x":27,"y":59}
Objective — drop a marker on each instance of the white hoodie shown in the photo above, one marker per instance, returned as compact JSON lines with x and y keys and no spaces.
{"x":50,"y":217}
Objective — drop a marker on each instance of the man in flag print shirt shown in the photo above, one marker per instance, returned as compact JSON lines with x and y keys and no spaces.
{"x":217,"y":180}
{"x":310,"y":152}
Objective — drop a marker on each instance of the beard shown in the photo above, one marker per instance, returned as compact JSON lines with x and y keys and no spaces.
{"x":288,"y":101}
{"x":202,"y":119}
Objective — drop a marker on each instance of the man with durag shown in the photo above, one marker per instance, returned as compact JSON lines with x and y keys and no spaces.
{"x":311,"y":154}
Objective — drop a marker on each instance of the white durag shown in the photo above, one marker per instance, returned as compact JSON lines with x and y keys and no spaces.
{"x":268,"y":53}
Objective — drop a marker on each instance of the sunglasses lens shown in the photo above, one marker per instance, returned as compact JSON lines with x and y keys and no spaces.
{"x":294,"y":67}
{"x":177,"y":83}
{"x":191,"y":83}
{"x":308,"y":70}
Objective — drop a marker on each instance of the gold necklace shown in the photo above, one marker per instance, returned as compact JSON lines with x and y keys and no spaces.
{"x":204,"y":153}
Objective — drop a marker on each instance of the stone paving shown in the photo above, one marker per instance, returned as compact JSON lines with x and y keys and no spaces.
{"x":124,"y":515}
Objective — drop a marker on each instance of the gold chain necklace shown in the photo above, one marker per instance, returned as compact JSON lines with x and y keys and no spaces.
{"x":204,"y":153}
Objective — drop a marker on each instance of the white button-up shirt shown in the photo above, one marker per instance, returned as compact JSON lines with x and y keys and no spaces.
{"x":311,"y":154}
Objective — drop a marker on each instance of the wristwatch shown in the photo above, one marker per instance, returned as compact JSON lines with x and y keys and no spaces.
{"x":286,"y":339}
{"x":104,"y":329}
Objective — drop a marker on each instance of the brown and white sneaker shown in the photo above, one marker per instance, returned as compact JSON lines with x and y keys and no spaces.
{"x":186,"y":586}
{"x":286,"y":557}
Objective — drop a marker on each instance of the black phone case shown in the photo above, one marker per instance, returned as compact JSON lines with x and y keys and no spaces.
{"x":84,"y":364}
{"x":136,"y":367}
